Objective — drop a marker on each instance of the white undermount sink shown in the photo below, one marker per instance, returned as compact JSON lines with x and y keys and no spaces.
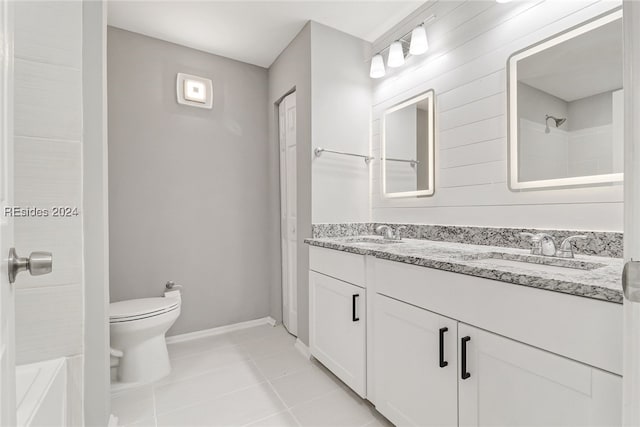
{"x":371,"y":239}
{"x":535,"y":263}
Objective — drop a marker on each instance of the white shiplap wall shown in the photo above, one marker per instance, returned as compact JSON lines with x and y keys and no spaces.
{"x":466,"y":66}
{"x":48,"y":172}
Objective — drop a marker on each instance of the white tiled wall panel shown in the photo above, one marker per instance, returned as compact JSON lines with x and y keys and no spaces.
{"x":48,"y":32}
{"x":62,"y":237}
{"x":470,"y":42}
{"x":48,"y":101}
{"x":48,"y":322}
{"x":74,"y":391}
{"x":48,"y":173}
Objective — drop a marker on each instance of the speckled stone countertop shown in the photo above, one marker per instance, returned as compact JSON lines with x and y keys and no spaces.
{"x":597,"y":277}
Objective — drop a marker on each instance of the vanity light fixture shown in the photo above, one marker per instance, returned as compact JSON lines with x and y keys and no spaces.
{"x":417,"y":43}
{"x":503,"y":1}
{"x":396,"y":55}
{"x":377,"y":67}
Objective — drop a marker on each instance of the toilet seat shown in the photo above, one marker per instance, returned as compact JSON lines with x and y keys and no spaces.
{"x":142,"y":308}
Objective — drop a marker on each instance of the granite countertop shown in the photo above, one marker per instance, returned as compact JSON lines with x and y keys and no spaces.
{"x":598,"y":277}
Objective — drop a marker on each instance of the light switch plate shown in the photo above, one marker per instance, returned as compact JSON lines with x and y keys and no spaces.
{"x":194,"y":91}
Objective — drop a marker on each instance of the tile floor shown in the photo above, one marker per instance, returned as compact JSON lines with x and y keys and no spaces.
{"x":251,"y":377}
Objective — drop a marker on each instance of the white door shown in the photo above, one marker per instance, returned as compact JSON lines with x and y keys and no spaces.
{"x":503,"y":382}
{"x":7,"y":340}
{"x":415,"y":365}
{"x":631,"y":358}
{"x":337,"y":328}
{"x":288,"y":200}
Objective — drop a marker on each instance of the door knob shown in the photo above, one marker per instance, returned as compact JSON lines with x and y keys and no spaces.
{"x":38,"y":263}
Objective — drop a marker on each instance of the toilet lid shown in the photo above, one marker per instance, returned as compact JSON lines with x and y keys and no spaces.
{"x":140,"y":308}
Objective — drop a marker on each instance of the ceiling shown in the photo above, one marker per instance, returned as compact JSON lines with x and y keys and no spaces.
{"x":586,"y":65}
{"x":252,"y":31}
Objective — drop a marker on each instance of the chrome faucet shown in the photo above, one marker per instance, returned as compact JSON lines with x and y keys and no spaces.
{"x":566,"y":248}
{"x":386,"y":232}
{"x":543,"y":244}
{"x":399,"y":230}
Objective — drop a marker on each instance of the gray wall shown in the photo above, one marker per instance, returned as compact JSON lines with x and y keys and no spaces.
{"x":337,"y":117}
{"x":190,"y":192}
{"x":292,"y":70}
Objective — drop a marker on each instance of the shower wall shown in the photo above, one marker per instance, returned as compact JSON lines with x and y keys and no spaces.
{"x":589,"y":142}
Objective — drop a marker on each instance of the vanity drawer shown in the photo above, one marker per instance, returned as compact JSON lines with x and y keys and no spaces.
{"x":579,"y":328}
{"x":340,"y":265}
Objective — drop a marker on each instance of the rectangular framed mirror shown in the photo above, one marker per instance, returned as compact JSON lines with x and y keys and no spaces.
{"x":407,"y":148}
{"x":565,"y":112}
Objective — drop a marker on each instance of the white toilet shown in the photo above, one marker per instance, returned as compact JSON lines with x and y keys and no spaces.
{"x":137,"y":329}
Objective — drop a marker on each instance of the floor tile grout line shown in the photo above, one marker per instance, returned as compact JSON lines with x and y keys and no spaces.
{"x":269,"y":416}
{"x":225,"y":365}
{"x":247,"y":348}
{"x":297,"y":371}
{"x":220,"y":396}
{"x":195,"y":353}
{"x":287,"y":407}
{"x":323,"y":395}
{"x":263,"y":356}
{"x":232,"y":343}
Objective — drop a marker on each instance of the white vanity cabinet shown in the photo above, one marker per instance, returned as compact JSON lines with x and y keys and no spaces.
{"x":434,"y":348}
{"x":528,"y":377}
{"x":416,"y":364}
{"x":337,"y":315}
{"x":487,"y":379}
{"x":508,"y":383}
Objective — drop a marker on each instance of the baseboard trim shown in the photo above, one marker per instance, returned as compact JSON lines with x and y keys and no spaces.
{"x":221,"y":330}
{"x":302,"y":348}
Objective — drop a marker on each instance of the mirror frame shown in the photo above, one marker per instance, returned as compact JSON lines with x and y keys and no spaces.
{"x":429,"y":95}
{"x":512,"y":111}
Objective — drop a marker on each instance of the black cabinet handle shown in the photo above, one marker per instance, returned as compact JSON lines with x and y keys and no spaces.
{"x":354,"y":304}
{"x":465,"y":374}
{"x":443,"y":362}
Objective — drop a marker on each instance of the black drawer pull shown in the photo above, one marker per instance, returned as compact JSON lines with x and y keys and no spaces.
{"x":443,"y":362}
{"x":354,"y":304}
{"x":465,"y":374}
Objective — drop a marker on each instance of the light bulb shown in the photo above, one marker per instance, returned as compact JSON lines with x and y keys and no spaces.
{"x":377,"y":67}
{"x":419,"y":43}
{"x":396,"y":55}
{"x":503,"y":1}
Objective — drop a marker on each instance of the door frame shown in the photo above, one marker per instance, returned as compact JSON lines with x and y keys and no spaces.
{"x":289,"y":290}
{"x":631,"y":347}
{"x":8,"y":407}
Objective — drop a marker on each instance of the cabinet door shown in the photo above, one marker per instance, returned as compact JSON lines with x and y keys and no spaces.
{"x":337,"y":328}
{"x":508,"y":383}
{"x":415,"y":365}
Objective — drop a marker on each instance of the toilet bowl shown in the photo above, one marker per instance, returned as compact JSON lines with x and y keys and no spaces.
{"x":137,"y":330}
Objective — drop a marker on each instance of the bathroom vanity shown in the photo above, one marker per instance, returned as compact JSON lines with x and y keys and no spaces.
{"x":439,"y":333}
